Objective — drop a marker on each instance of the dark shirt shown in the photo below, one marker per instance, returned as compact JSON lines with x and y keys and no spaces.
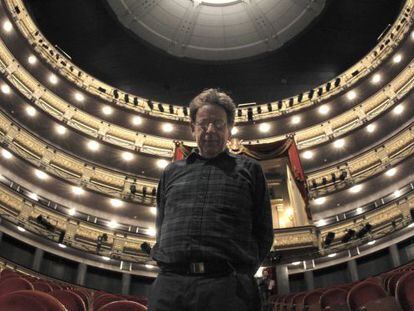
{"x":213,"y":209}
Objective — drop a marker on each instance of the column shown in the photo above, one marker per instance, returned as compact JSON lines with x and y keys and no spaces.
{"x":81,"y":273}
{"x":353,"y":270}
{"x":395,"y":256}
{"x":126,"y":283}
{"x":310,"y":283}
{"x":37,"y":260}
{"x":282,"y":279}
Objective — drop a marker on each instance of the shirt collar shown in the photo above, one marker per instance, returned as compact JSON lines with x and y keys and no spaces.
{"x":195,"y":155}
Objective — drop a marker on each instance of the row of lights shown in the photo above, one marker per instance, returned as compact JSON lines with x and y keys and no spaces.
{"x":357,"y":188}
{"x":340,"y":143}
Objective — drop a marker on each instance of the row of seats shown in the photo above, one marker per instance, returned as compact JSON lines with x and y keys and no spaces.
{"x":393,"y":291}
{"x":20,"y":291}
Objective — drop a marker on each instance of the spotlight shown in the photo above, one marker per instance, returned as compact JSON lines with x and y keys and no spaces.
{"x":329,"y":238}
{"x":45,"y":223}
{"x":348,"y":236}
{"x":314,"y":184}
{"x":337,"y":82}
{"x":133,"y":189}
{"x":333,"y":177}
{"x":269,"y":107}
{"x":160,"y":107}
{"x":61,"y":237}
{"x":279,"y":105}
{"x":259,"y":110}
{"x":146,"y":248}
{"x":366,"y":229}
{"x":343,"y":175}
{"x":150,"y":104}
{"x":310,"y":94}
{"x":239,"y":112}
{"x":249,"y":114}
{"x":324,"y":181}
{"x":116,"y":94}
{"x":274,"y":257}
{"x":126,"y":97}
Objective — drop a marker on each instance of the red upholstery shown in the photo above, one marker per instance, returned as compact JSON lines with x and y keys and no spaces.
{"x":333,"y":297}
{"x":55,"y":286}
{"x":86,"y":298}
{"x":42,"y":286}
{"x":404,"y":292}
{"x":29,"y":300}
{"x":71,"y":300}
{"x":10,"y":285}
{"x":392,"y":282}
{"x":105,"y":299}
{"x":8,"y":273}
{"x":142,"y":301}
{"x":123,"y":305}
{"x":312,"y":297}
{"x":363,"y":293}
{"x":297,"y":301}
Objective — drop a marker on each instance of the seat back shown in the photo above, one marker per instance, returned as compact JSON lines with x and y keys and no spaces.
{"x":69,"y":299}
{"x":10,"y":285}
{"x":105,"y":299}
{"x":312,"y":297}
{"x":124,"y":306}
{"x":297,"y":301}
{"x":29,"y":300}
{"x":85,"y":297}
{"x":42,"y":286}
{"x":392,"y":282}
{"x":404,"y":291}
{"x":333,"y":297}
{"x":363,"y":293}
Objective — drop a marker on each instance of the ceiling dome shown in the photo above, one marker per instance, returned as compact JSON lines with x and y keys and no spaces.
{"x":217,"y":29}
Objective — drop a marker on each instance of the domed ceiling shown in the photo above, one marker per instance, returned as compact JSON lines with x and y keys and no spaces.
{"x":90,"y":32}
{"x":217,"y":29}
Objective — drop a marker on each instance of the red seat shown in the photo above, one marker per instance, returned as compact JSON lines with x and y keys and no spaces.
{"x":333,"y":297}
{"x":404,"y":291}
{"x":312,"y":297}
{"x":30,"y":300}
{"x":10,"y":285}
{"x":42,"y":286}
{"x":140,"y":300}
{"x":124,"y":306}
{"x":85,"y":297}
{"x":392,"y":282}
{"x":297,"y":301}
{"x":105,"y":299}
{"x":69,"y":299}
{"x":363,"y":293}
{"x":8,"y":273}
{"x":54,"y":286}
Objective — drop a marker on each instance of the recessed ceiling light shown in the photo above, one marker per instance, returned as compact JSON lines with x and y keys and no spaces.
{"x":21,"y":229}
{"x":116,"y":202}
{"x":371,"y":128}
{"x":296,"y":263}
{"x":5,"y":89}
{"x":355,"y":189}
{"x":136,"y":120}
{"x":167,"y":127}
{"x":113,"y":224}
{"x":79,"y":97}
{"x":320,"y":201}
{"x":33,"y":196}
{"x":40,"y":174}
{"x":148,"y":266}
{"x":61,"y":245}
{"x":351,"y":95}
{"x":151,"y":232}
{"x":376,"y":78}
{"x":72,"y":211}
{"x":107,"y":110}
{"x":93,"y":145}
{"x":398,"y":109}
{"x":412,"y":34}
{"x":264,"y":127}
{"x":32,"y":59}
{"x":359,"y":210}
{"x":153,"y":210}
{"x":53,"y":79}
{"x":106,"y":258}
{"x":234,"y":130}
{"x":30,"y":111}
{"x":6,"y":154}
{"x":321,"y":222}
{"x":162,"y":163}
{"x":77,"y":190}
{"x":411,"y":225}
{"x":7,"y":26}
{"x":324,"y":109}
{"x":332,"y":255}
{"x":127,"y":156}
{"x":397,"y":193}
{"x":397,"y":58}
{"x":60,"y":129}
{"x":371,"y":242}
{"x":391,"y":172}
{"x":339,"y":143}
{"x":307,"y":154}
{"x":296,"y":120}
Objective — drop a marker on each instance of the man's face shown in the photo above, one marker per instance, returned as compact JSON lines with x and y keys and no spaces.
{"x":210,"y":130}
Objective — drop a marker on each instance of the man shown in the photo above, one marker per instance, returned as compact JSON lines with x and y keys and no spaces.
{"x":214,"y":225}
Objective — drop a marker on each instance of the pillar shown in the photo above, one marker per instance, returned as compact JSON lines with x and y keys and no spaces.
{"x":126,"y":283}
{"x":310,"y":283}
{"x":81,"y":273}
{"x":37,"y":260}
{"x":395,"y":255}
{"x":353,"y":270}
{"x":282,"y":279}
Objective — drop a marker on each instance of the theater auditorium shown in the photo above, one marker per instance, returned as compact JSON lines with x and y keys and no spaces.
{"x":94,"y":105}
